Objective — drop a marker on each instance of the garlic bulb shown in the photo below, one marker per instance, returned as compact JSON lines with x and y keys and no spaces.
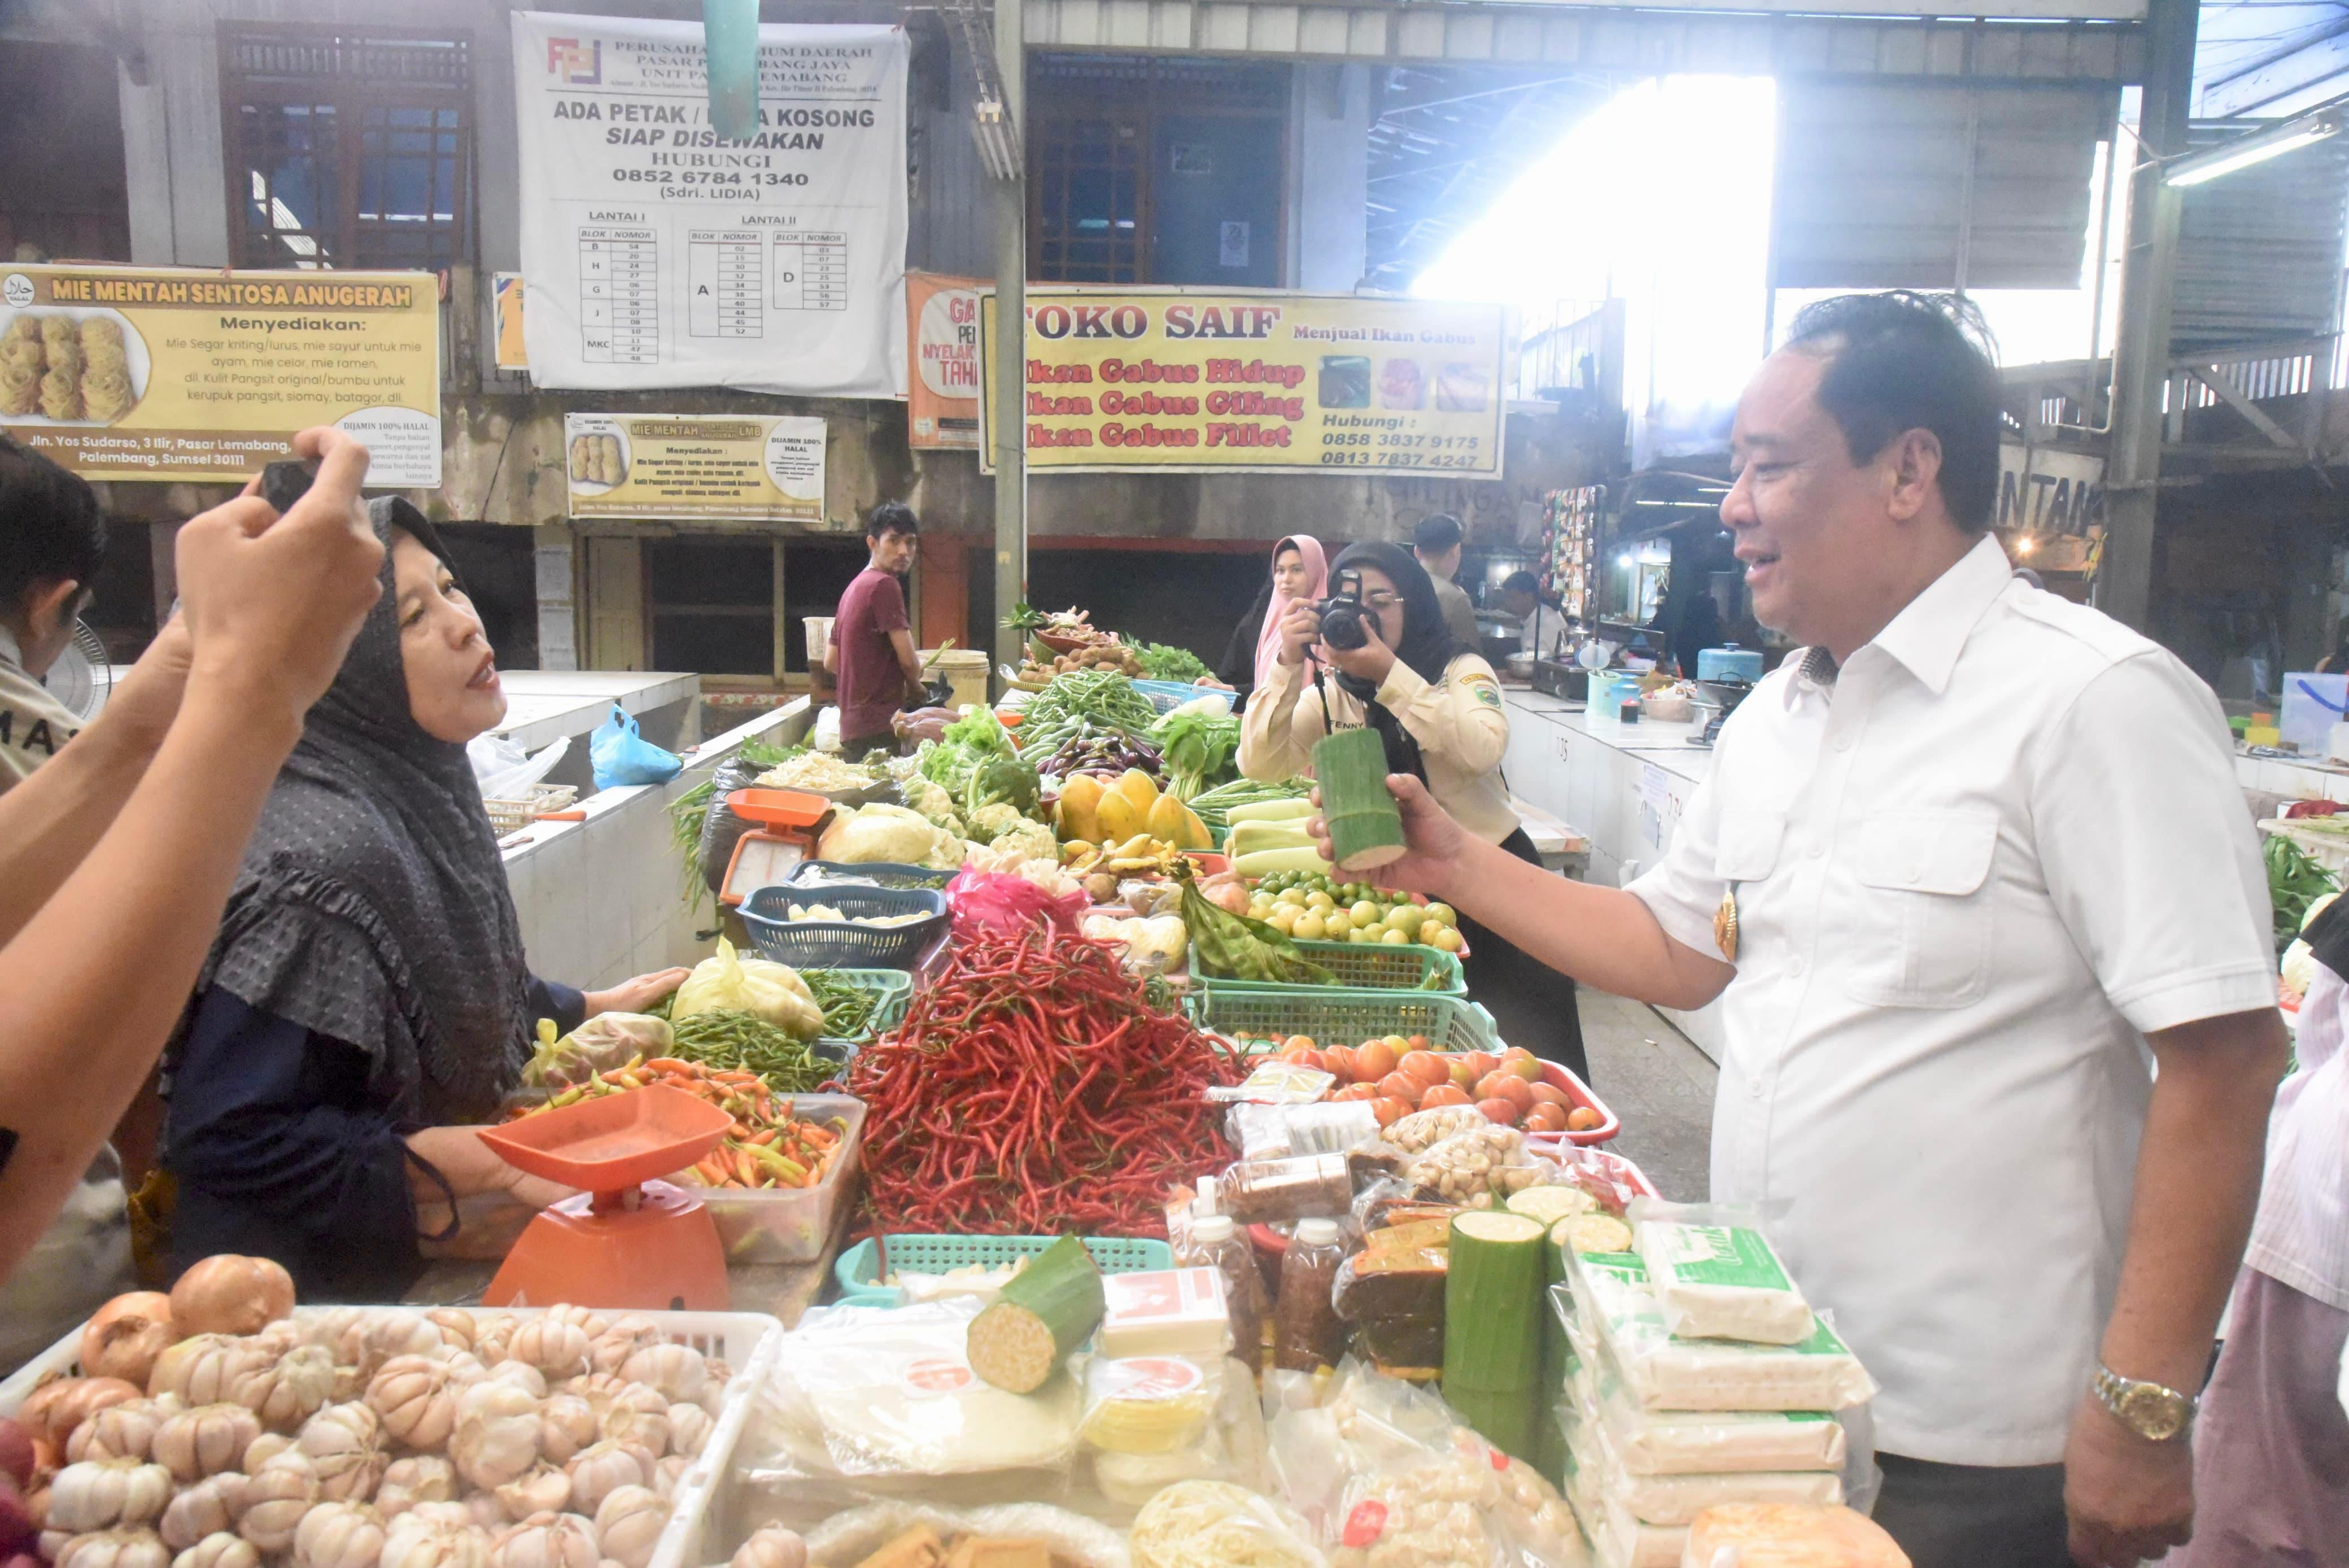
{"x":426,"y":1537}
{"x":339,"y":1535}
{"x":457,"y":1326}
{"x":689,"y":1427}
{"x":98,"y":1494}
{"x":205,"y":1440}
{"x":625,"y":1337}
{"x":555,"y":1346}
{"x":496,"y":1436}
{"x":638,"y":1415}
{"x":206,"y":1508}
{"x":342,"y":1444}
{"x":276,"y":1496}
{"x":521,"y":1375}
{"x":546,"y":1490}
{"x":629,"y":1525}
{"x":678,"y":1371}
{"x":548,"y":1541}
{"x":331,"y":1328}
{"x":392,"y":1334}
{"x":219,"y":1549}
{"x":264,"y":1448}
{"x":566,"y":1423}
{"x":413,"y":1397}
{"x":603,"y":1469}
{"x":598,"y":1388}
{"x":492,"y":1335}
{"x":487,"y":1513}
{"x":668,"y":1473}
{"x":465,"y":1367}
{"x":202,"y":1368}
{"x":419,"y":1479}
{"x":128,"y":1547}
{"x":285,"y":1392}
{"x":771,"y":1546}
{"x":587,"y":1319}
{"x":712,"y":1396}
{"x":124,"y":1431}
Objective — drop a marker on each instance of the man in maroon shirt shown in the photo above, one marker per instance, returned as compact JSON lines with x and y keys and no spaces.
{"x":872,"y":648}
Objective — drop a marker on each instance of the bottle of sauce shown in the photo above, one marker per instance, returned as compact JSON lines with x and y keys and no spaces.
{"x":1306,"y":1332}
{"x":1217,"y":1244}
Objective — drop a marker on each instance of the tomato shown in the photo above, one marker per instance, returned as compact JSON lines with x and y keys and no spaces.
{"x":1517,"y":1091}
{"x":1378,"y":1059}
{"x":1482,"y":1062}
{"x":1461,"y":1076}
{"x":1356,"y":1091}
{"x":1341,"y":1061}
{"x":1298,"y":1043}
{"x":1582,"y":1118}
{"x":1305,"y":1056}
{"x":1401,"y":1086}
{"x":1550,"y":1094}
{"x":1524,"y":1063}
{"x":1417,"y":1042}
{"x":1545,"y":1118}
{"x":1496,"y":1109}
{"x":1389,"y":1109}
{"x":1443,"y":1094}
{"x":1427,"y":1066}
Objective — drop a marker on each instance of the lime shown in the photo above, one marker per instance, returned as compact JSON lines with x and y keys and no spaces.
{"x":1365,"y":912}
{"x":1282,"y":918}
{"x":1360,"y":935}
{"x":1441,"y":912}
{"x":1444,"y":937}
{"x":1308,"y":928}
{"x":1320,"y":901}
{"x":1394,"y":938}
{"x":1336,"y":922}
{"x":1407,"y":918}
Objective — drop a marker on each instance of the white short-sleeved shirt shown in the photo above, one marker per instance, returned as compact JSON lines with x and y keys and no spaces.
{"x":1972,"y":870}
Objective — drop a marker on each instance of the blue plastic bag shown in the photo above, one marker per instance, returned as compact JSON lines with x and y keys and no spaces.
{"x":621,"y":755}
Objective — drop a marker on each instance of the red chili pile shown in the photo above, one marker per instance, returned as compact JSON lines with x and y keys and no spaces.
{"x":1032,"y":1091}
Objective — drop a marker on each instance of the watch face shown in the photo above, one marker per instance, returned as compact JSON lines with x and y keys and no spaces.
{"x":2152,"y":1412}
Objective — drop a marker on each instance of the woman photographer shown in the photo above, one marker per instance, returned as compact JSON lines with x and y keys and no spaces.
{"x":1437,"y":707}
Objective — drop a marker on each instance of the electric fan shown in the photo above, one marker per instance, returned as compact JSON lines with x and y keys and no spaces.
{"x":82,"y":676}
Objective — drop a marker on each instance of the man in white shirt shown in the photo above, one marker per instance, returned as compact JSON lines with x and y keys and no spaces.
{"x":1966,"y":868}
{"x":1436,"y":542}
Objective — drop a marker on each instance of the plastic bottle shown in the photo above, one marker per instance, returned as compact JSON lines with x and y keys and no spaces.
{"x":1215,"y":1242}
{"x":1306,"y":1332}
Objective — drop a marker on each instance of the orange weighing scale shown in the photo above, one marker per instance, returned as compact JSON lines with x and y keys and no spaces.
{"x":761,"y":858}
{"x":628,"y":1239}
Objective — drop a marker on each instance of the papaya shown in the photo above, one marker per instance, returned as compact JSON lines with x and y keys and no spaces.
{"x":1165,"y":822}
{"x":1081,"y":798}
{"x":1118,"y":818}
{"x":1194,"y":833}
{"x":1139,"y":792}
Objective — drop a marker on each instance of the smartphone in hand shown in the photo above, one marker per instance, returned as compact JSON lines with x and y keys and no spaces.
{"x":284,"y":483}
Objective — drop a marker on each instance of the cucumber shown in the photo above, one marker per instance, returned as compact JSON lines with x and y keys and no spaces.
{"x":1365,"y":823}
{"x":1264,"y":863}
{"x":1270,"y":811}
{"x":1038,"y":1319}
{"x":1246,"y":838}
{"x":1492,"y":1304}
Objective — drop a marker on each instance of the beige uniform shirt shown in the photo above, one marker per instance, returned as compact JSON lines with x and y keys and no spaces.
{"x":1459,"y":724}
{"x":33,"y":724}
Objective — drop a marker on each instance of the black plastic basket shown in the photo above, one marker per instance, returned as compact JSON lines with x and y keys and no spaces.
{"x":818,"y":944}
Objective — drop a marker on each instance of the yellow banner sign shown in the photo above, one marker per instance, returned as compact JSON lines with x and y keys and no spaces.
{"x":696,"y":467}
{"x":1175,"y":379}
{"x":146,"y":373}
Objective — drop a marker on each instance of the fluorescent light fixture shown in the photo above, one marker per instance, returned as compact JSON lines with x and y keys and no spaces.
{"x":1623,"y":559}
{"x":2257,"y":147}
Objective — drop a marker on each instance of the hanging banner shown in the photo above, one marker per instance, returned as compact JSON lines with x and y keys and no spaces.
{"x":1163,"y":380}
{"x":685,"y":468}
{"x":942,"y":378}
{"x":169,"y":373}
{"x":661,"y":254}
{"x":2043,"y":490}
{"x":506,"y":305}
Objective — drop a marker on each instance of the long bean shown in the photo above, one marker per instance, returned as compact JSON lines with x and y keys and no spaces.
{"x":847,"y":1007}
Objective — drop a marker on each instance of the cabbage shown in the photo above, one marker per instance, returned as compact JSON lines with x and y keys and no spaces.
{"x":2317,"y":906}
{"x":772,"y":992}
{"x":891,"y":834}
{"x":2299,"y":968}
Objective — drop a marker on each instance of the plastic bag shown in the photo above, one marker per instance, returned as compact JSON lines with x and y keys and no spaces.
{"x":1007,"y":905}
{"x":721,"y":830}
{"x":604,"y":1042}
{"x":1423,"y":1130}
{"x":1701,"y":1442}
{"x":849,"y":1537}
{"x":825,"y":736}
{"x":724,"y":983}
{"x":1607,"y":1307}
{"x":505,"y":770}
{"x":1228,"y":1444}
{"x":1480,"y":1167}
{"x":1277,"y":1132}
{"x":1214,"y":1524}
{"x":1715,"y":1275}
{"x":1677,"y":1499}
{"x":619,"y":755}
{"x":872,"y":1403}
{"x":1275,"y":1082}
{"x":1755,"y":1534}
{"x":1157,"y":946}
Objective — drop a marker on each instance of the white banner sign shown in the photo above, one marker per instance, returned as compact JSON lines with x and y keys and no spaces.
{"x":2044,"y":491}
{"x":659,"y":254}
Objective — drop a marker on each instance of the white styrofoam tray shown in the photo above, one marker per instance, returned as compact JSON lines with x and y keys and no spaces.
{"x":747,"y":1341}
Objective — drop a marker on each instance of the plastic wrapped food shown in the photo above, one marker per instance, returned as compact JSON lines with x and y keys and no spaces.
{"x":604,"y":1042}
{"x":1781,"y":1535}
{"x":1677,"y":1499}
{"x":1707,"y":1443}
{"x":1214,"y":1524}
{"x":1147,"y":1404}
{"x":849,"y":1537}
{"x":1716,"y":1276}
{"x":1228,"y":1446}
{"x":1271,"y":1191}
{"x":1278,"y":1132}
{"x":1423,"y":1130}
{"x":727,"y":983}
{"x":1478,"y":1167}
{"x":1274,"y":1082}
{"x":1606,"y":1305}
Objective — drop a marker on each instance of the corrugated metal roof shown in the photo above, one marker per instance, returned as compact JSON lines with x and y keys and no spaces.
{"x":2259,"y":250}
{"x":1918,"y":185}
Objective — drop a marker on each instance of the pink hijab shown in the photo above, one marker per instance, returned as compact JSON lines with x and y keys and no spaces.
{"x":1316,"y":585}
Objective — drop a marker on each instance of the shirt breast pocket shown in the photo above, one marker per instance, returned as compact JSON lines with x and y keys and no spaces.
{"x":1923,"y":922}
{"x":1747,"y":850}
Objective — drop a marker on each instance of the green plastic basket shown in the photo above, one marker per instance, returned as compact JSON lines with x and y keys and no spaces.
{"x":1360,"y":967}
{"x":896,"y":994}
{"x":1334,"y":1017}
{"x":858,"y":1271}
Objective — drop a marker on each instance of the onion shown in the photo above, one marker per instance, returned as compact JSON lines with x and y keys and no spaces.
{"x":230,"y":1293}
{"x":123,"y":1337}
{"x":52,"y":1411}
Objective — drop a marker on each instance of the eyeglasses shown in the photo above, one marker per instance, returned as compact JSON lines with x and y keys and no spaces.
{"x":1380,"y":602}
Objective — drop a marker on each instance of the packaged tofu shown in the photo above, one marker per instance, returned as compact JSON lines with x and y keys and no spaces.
{"x":1783,"y":1535}
{"x":1703,"y":1442}
{"x":1165,"y":1311}
{"x":1677,"y":1499}
{"x":1716,"y":1276}
{"x":1606,"y":1304}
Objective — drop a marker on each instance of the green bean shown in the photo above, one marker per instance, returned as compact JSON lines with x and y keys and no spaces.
{"x":746,"y":1043}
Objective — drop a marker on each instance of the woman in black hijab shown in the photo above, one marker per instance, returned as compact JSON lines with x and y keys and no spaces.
{"x":367,"y":999}
{"x":1437,"y":708}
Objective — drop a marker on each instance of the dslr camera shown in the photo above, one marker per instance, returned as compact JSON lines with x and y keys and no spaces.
{"x":1342,"y":614}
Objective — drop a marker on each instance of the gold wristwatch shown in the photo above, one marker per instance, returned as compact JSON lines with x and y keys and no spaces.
{"x":2158,"y":1414}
